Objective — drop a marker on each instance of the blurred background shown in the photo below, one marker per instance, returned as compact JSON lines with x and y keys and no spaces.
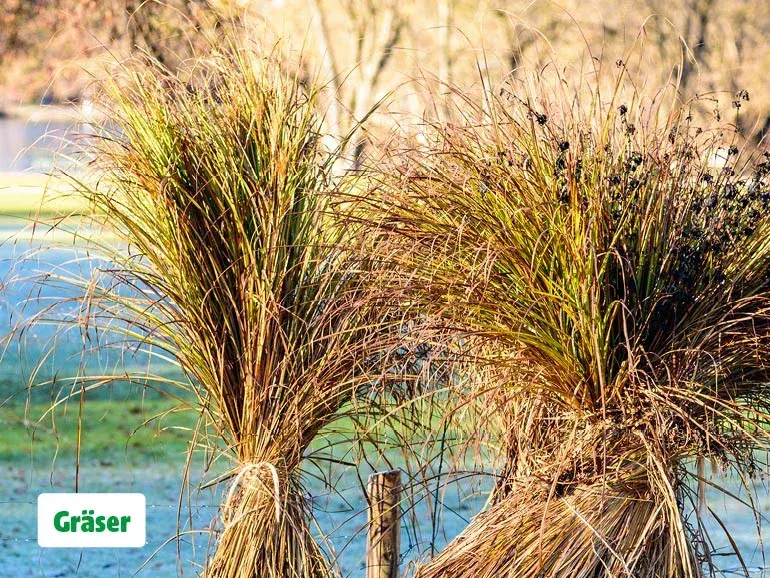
{"x":52,"y":50}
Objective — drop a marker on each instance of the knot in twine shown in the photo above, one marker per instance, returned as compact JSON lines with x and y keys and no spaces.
{"x":250,"y":483}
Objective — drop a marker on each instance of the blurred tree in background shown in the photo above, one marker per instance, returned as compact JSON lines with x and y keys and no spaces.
{"x":366,"y":50}
{"x":50,"y":49}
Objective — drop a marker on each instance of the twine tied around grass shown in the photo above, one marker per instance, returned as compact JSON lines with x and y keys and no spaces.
{"x":245,"y":483}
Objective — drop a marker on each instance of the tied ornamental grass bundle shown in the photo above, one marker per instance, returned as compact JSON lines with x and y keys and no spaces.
{"x":622,"y":282}
{"x":239,"y":269}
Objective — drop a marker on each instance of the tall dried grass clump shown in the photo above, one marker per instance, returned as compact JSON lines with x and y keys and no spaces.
{"x":239,"y":267}
{"x":622,"y":282}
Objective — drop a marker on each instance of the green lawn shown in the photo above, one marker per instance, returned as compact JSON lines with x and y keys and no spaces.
{"x":27,"y":195}
{"x":112,"y":431}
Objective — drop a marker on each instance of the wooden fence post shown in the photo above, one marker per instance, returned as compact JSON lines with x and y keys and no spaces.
{"x":383,"y":542}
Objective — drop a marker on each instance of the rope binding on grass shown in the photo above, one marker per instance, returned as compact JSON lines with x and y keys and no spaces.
{"x":248,"y":480}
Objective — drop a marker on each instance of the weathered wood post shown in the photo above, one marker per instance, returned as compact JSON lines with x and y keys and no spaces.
{"x":383,"y":543}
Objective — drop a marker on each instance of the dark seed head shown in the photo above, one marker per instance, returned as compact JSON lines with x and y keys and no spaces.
{"x":563,"y":145}
{"x":622,"y":109}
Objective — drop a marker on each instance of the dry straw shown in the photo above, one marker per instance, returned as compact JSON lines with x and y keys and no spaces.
{"x":240,"y":266}
{"x":622,"y":285}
